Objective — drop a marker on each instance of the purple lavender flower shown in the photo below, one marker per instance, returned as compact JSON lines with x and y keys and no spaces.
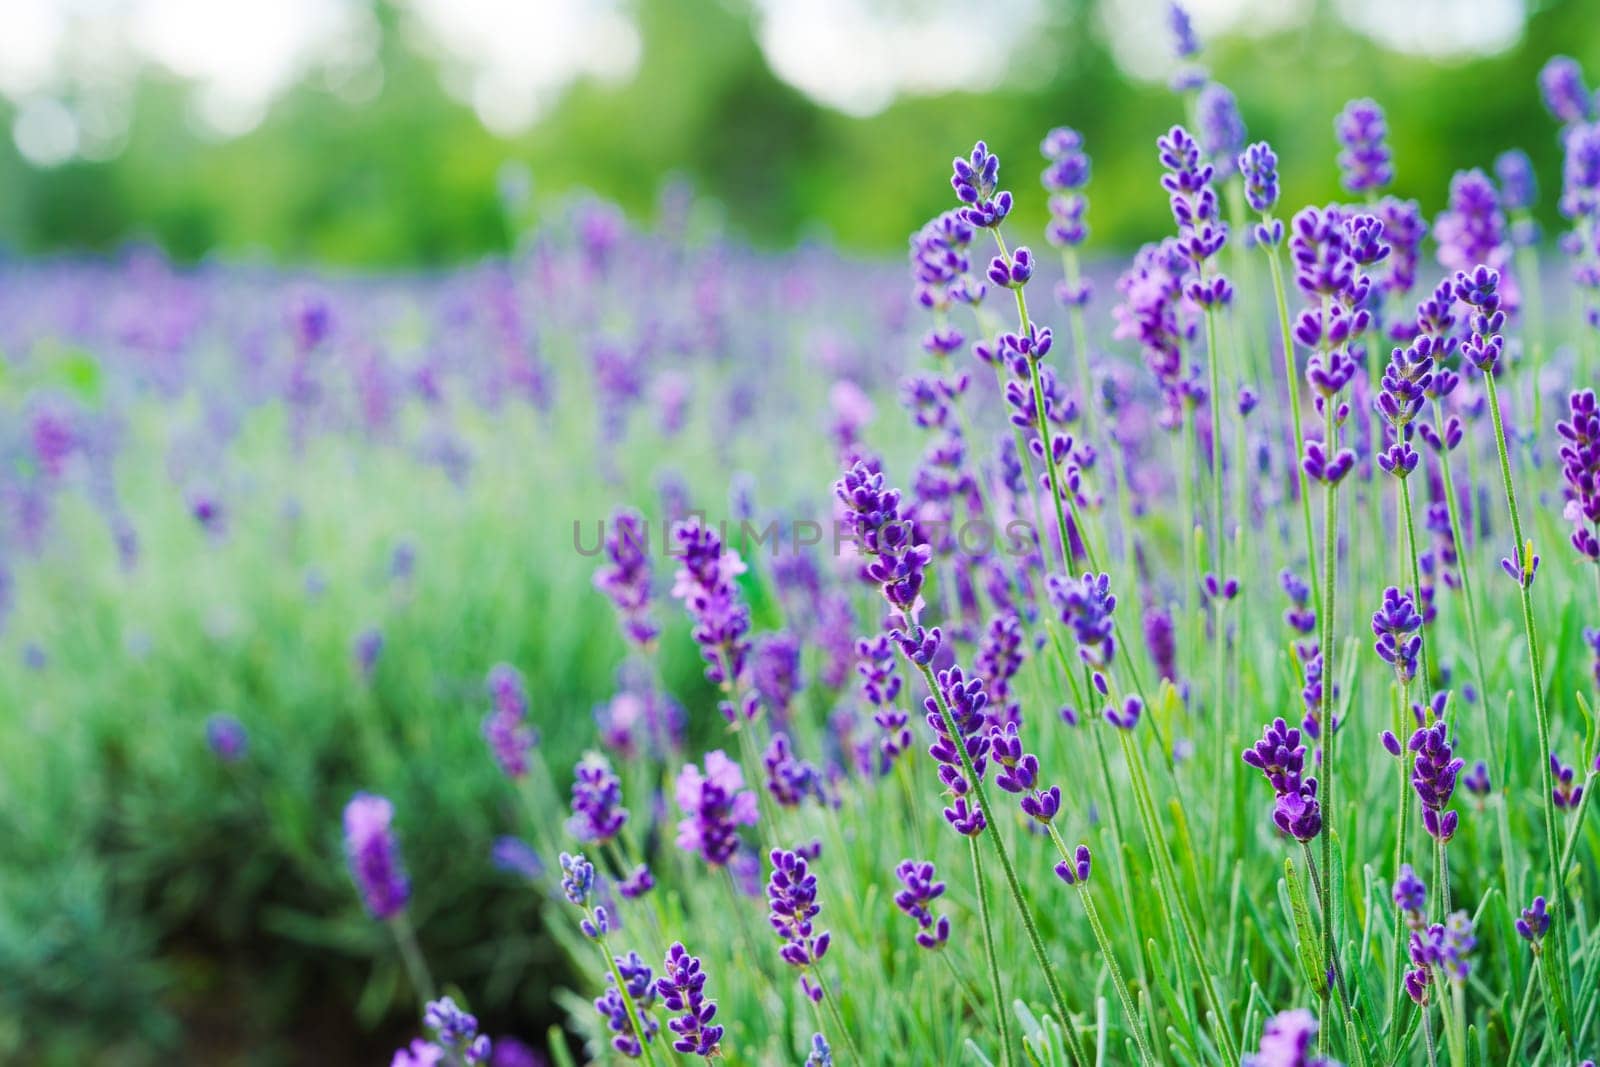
{"x":1019,"y":773}
{"x":1161,"y":638}
{"x":705,"y":584}
{"x":1519,"y":187}
{"x":1280,"y":756}
{"x":966,"y":700}
{"x":1411,"y":896}
{"x":715,"y":805}
{"x":227,"y":738}
{"x":1568,"y":792}
{"x":789,"y":779}
{"x":1222,"y":132}
{"x":1076,"y":872}
{"x":1201,"y":231}
{"x":1000,"y":656}
{"x":682,"y":990}
{"x":1398,"y":628}
{"x":515,"y":856}
{"x":1473,"y":230}
{"x":625,"y":578}
{"x":374,"y":855}
{"x":510,"y":738}
{"x":1259,"y":166}
{"x":1403,"y":229}
{"x":1476,"y":780}
{"x":880,"y":684}
{"x":792,"y":905}
{"x":974,"y":180}
{"x":1580,"y":469}
{"x":613,"y":1007}
{"x":597,"y":811}
{"x":365,"y":650}
{"x":775,"y":671}
{"x":1286,"y":1041}
{"x":577,"y":878}
{"x":1065,"y":177}
{"x":455,"y":1033}
{"x":1364,"y":160}
{"x":820,"y":1055}
{"x":1086,"y":605}
{"x":1434,"y":771}
{"x":919,"y":890}
{"x":1299,"y":616}
{"x":882,"y":531}
{"x":1561,"y":84}
{"x":1534,"y":922}
{"x":1480,"y":290}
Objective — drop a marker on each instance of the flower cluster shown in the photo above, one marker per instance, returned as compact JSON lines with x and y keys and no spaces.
{"x":1076,"y":872}
{"x":1580,"y":469}
{"x":974,"y":180}
{"x":612,"y":1005}
{"x":1364,"y":159}
{"x":1533,"y":923}
{"x":1286,"y":1041}
{"x":1000,"y":656}
{"x":789,"y":779}
{"x":919,"y":889}
{"x":966,"y":701}
{"x":1567,"y":792}
{"x":374,"y":855}
{"x":625,"y":577}
{"x":1435,"y":767}
{"x":1281,"y":757}
{"x":792,"y":905}
{"x":896,"y":562}
{"x":880,"y":685}
{"x":1258,"y":165}
{"x":597,"y":811}
{"x":1086,"y":604}
{"x":1019,"y":773}
{"x":705,"y":584}
{"x":715,"y":804}
{"x":682,"y":990}
{"x":1201,"y":231}
{"x":1398,"y":629}
{"x":1064,"y":178}
{"x":510,"y":738}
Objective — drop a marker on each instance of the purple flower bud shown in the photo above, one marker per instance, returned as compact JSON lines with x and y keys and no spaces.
{"x":1076,"y":872}
{"x":227,"y":738}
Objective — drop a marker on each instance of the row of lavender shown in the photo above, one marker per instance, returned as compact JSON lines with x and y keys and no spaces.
{"x":1131,"y":609}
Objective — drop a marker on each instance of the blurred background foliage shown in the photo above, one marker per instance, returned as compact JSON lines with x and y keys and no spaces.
{"x":411,"y":176}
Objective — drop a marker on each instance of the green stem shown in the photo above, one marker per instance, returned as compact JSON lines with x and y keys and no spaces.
{"x":1034,"y":940}
{"x":1330,"y":555}
{"x":1524,"y":1010}
{"x":411,"y":955}
{"x":989,"y":956}
{"x":1291,"y":379}
{"x":1541,"y":716}
{"x":1106,"y":953}
{"x":634,"y":1018}
{"x":1416,"y":578}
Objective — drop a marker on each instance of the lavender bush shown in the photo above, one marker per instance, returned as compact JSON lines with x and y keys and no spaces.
{"x":939,"y":738}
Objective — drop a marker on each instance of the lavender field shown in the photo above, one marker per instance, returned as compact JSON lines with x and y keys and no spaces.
{"x":649,"y":646}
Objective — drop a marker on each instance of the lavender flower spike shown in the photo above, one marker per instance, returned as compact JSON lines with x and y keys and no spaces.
{"x":682,"y":989}
{"x":625,"y":579}
{"x":792,"y":903}
{"x":919,"y":891}
{"x":1434,"y":772}
{"x":1398,"y":629}
{"x":715,"y":805}
{"x":1287,"y":1041}
{"x":1364,"y":162}
{"x":374,"y":855}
